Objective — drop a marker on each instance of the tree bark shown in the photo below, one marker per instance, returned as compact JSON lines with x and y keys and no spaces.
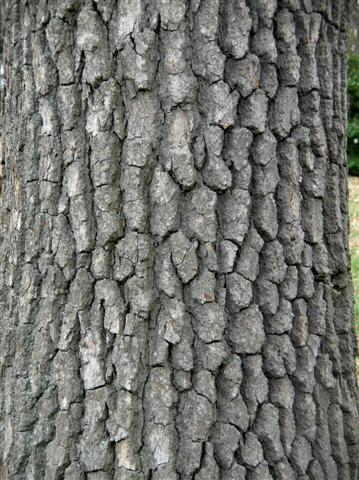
{"x":176,"y":299}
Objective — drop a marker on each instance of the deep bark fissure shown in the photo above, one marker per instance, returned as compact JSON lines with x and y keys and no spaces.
{"x":176,"y":300}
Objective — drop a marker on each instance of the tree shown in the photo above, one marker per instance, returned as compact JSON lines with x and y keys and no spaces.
{"x":176,"y":300}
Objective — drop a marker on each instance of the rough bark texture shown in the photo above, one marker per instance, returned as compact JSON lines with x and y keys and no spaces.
{"x":176,"y":300}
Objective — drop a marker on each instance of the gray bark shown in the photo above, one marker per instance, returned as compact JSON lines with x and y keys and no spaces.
{"x":176,"y":300}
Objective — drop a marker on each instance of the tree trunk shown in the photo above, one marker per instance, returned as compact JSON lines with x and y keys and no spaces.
{"x":176,"y":300}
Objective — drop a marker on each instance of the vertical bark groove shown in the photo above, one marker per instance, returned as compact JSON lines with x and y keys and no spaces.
{"x":176,"y":300}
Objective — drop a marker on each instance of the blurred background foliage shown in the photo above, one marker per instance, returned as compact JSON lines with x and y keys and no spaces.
{"x":353,"y":156}
{"x":353,"y":94}
{"x":353,"y":113}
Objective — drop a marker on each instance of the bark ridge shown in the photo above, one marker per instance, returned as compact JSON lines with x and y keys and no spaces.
{"x":176,"y":300}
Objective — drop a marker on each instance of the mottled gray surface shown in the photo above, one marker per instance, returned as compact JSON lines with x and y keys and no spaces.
{"x":175,"y":297}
